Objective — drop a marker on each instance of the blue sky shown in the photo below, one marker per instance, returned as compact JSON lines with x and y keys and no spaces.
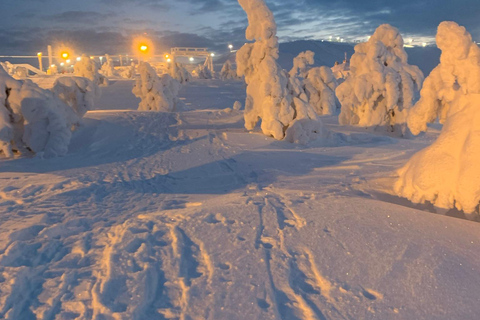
{"x":108,"y":26}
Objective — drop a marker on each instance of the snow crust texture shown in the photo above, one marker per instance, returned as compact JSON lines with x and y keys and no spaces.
{"x":382,"y":85}
{"x":156,"y":93}
{"x":447,"y":172}
{"x":272,"y":96}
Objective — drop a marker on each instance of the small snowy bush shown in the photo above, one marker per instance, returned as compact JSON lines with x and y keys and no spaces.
{"x":447,"y":173}
{"x":272,"y":97}
{"x":320,"y":85}
{"x":78,"y":92}
{"x":156,"y":93}
{"x":87,"y":68}
{"x":382,"y":85}
{"x":32,"y":118}
{"x":228,"y":72}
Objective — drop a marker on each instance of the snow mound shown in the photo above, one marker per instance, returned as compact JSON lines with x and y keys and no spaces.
{"x":33,"y":119}
{"x":156,"y":93}
{"x":447,"y":172}
{"x":78,"y":92}
{"x":304,"y":131}
{"x":272,"y":96}
{"x":320,"y":85}
{"x":87,"y":68}
{"x":382,"y":85}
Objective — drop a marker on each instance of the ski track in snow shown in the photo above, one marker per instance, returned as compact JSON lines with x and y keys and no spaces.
{"x":187,"y":216}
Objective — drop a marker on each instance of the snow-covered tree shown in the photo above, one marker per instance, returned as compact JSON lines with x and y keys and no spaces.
{"x":32,"y":118}
{"x":128,"y":72}
{"x":180,"y":73}
{"x":271,"y":96}
{"x":202,"y":71}
{"x":108,"y":68}
{"x":320,"y":85}
{"x":156,"y":93}
{"x":78,"y":92}
{"x":8,"y":67}
{"x":447,"y":173}
{"x":228,"y":72}
{"x":301,"y":63}
{"x":382,"y":85}
{"x":87,"y":68}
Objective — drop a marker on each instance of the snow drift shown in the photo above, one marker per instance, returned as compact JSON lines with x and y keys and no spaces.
{"x":447,"y":173}
{"x":382,"y":85}
{"x":156,"y":93}
{"x":272,"y":96}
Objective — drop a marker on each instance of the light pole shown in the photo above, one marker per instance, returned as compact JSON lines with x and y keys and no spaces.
{"x":40,"y":64}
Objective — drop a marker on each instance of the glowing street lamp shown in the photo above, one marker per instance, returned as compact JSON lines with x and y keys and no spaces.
{"x":65,"y":55}
{"x":143,"y":48}
{"x":212,"y":54}
{"x":191,"y":59}
{"x":79,"y":58}
{"x":230,"y":46}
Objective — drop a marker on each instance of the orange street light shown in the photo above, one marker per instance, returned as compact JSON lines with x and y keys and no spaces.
{"x":65,"y":55}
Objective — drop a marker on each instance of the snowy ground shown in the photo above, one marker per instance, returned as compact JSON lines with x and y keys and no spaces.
{"x":188,"y":216}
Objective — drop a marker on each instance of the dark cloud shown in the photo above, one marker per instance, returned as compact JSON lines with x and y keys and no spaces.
{"x":107,"y":26}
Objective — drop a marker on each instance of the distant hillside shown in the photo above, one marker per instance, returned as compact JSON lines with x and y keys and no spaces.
{"x":326,"y":53}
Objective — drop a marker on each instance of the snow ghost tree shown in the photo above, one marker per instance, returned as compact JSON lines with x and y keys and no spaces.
{"x":32,"y":119}
{"x":108,"y":68}
{"x":447,"y":173}
{"x":128,"y":72}
{"x":78,"y":92}
{"x":202,"y":71}
{"x":382,"y":85}
{"x":87,"y":68}
{"x":271,"y":97}
{"x":156,"y":93}
{"x":180,"y":73}
{"x":320,"y":85}
{"x":301,"y":63}
{"x":228,"y":72}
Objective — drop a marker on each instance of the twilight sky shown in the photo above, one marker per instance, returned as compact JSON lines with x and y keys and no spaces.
{"x":108,"y":26}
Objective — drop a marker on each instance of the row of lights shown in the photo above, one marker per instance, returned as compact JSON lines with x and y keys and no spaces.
{"x":143,"y":48}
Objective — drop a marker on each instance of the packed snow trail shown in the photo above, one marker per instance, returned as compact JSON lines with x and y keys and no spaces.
{"x":188,"y":216}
